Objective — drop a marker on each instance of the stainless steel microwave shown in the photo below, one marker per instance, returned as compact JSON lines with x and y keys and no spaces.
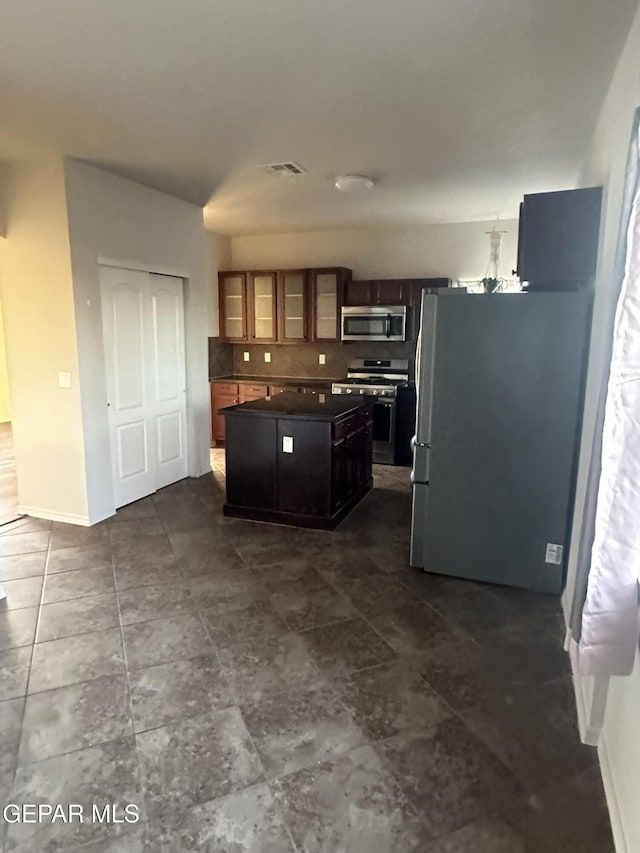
{"x":374,"y":323}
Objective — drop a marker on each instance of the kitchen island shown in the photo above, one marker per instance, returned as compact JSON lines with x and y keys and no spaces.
{"x":298,"y":459}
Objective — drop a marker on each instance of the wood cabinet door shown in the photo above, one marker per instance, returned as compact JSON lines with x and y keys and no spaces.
{"x":232,"y":300}
{"x":252,"y":392}
{"x":304,"y":467}
{"x":327,"y":295}
{"x":359,"y":293}
{"x":262,"y":290}
{"x":220,"y":401}
{"x":293,"y":307}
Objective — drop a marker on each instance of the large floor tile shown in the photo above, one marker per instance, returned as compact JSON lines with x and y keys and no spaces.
{"x":14,"y":672}
{"x":150,"y":570}
{"x":79,"y":616}
{"x":225,"y":590}
{"x":10,"y":727}
{"x":151,"y":547}
{"x":22,"y":566}
{"x":62,"y":586}
{"x":350,"y":804}
{"x":448,"y":775}
{"x":17,"y":627}
{"x":130,"y":531}
{"x":262,"y":666}
{"x":304,"y":604}
{"x":144,"y":508}
{"x":298,"y":729}
{"x":376,"y":594}
{"x":483,"y":836}
{"x":74,"y":717}
{"x":346,"y":647}
{"x":412,"y":628}
{"x":529,"y":652}
{"x":100,"y":774}
{"x":154,"y":602}
{"x":79,"y":557}
{"x":566,"y":817}
{"x":69,"y":661}
{"x":73,"y":535}
{"x":21,"y":593}
{"x":528,"y":730}
{"x":170,"y":692}
{"x":163,"y":640}
{"x":230,"y":627}
{"x":248,"y":821}
{"x":24,"y":543}
{"x":390,"y":698}
{"x":196,"y":760}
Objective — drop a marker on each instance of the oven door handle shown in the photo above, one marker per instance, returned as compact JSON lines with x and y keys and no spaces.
{"x":387,"y":326}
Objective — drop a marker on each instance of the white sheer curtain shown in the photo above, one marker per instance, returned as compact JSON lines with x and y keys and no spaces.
{"x":603,"y":636}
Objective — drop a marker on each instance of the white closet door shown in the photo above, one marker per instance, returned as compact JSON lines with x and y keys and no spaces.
{"x":143,"y":326}
{"x":168,"y":378}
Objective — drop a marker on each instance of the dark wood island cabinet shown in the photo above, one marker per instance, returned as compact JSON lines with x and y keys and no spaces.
{"x":298,"y":459}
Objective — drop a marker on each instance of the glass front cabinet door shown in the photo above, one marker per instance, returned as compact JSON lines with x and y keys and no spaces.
{"x":293,"y":306}
{"x":262,"y":296}
{"x":327,"y":287}
{"x":233,"y":306}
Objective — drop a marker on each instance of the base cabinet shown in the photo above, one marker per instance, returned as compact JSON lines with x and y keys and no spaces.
{"x":296,"y":470}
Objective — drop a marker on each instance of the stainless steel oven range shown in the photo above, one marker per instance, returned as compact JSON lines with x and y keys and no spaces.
{"x":380,"y":379}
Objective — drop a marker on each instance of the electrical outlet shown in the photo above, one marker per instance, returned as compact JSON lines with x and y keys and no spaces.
{"x":267,"y":357}
{"x":64,"y":379}
{"x":322,"y":359}
{"x":553,"y":554}
{"x":246,"y":356}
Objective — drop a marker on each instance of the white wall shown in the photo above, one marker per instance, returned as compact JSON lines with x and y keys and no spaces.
{"x":459,"y":251}
{"x":116,"y":220}
{"x":5,"y":397}
{"x":219,"y":251}
{"x":39,"y":325}
{"x":620,"y":739}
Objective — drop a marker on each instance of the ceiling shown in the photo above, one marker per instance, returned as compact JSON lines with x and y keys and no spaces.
{"x":455,"y":107}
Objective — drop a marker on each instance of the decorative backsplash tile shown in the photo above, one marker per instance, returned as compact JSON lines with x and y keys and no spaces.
{"x":301,"y":360}
{"x":220,"y":358}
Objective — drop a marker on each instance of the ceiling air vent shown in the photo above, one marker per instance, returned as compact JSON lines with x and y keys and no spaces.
{"x":287,"y":169}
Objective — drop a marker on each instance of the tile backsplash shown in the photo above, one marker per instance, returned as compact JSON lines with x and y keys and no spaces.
{"x":301,"y":360}
{"x":220,"y":358}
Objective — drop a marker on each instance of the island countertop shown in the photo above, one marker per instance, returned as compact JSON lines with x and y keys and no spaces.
{"x":322,"y":407}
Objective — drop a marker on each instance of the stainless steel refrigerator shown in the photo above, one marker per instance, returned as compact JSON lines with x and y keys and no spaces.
{"x":500,"y":381}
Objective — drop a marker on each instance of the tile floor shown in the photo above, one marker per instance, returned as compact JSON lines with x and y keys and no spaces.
{"x":258,"y":688}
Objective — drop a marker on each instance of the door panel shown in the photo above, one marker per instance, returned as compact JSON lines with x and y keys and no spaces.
{"x":169,"y":385}
{"x":127,"y":353}
{"x":143,"y":326}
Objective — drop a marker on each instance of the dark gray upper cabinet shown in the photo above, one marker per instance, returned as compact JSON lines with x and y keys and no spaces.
{"x":558,"y":237}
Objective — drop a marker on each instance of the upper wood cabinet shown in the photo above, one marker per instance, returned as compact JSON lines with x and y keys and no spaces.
{"x":262,"y":291}
{"x":293,"y":307}
{"x":232,"y":300}
{"x":286,"y":306}
{"x":390,"y":291}
{"x":326,"y":290}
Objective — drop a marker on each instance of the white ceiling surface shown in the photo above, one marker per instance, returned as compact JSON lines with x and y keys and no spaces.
{"x":456,"y":107}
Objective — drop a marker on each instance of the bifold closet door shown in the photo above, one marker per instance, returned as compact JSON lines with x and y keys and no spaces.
{"x":143,"y":324}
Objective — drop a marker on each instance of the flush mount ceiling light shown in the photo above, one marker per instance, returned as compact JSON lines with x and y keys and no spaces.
{"x":353,"y":183}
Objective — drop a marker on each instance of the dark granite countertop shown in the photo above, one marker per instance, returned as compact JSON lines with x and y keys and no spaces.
{"x":327,"y":407}
{"x":277,"y":380}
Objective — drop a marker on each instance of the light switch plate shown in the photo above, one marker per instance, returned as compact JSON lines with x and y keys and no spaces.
{"x":267,"y":357}
{"x":246,"y":356}
{"x":287,"y":444}
{"x":322,"y":359}
{"x":64,"y":379}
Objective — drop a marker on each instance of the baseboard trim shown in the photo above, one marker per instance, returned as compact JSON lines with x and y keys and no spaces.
{"x":48,"y":515}
{"x":615,"y":814}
